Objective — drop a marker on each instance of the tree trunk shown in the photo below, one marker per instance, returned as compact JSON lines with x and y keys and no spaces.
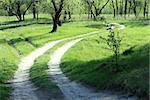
{"x":69,"y":13}
{"x":114,"y":8}
{"x":125,"y":8}
{"x":56,"y":15}
{"x":19,"y":11}
{"x":130,"y":7}
{"x":134,"y":8}
{"x":34,"y":11}
{"x":20,"y":17}
{"x":117,"y":8}
{"x":54,"y":29}
{"x":145,"y":8}
{"x":121,"y":7}
{"x":23,"y":17}
{"x":65,"y":15}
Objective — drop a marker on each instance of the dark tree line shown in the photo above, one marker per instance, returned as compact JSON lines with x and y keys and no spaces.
{"x":57,"y":8}
{"x":129,"y":7}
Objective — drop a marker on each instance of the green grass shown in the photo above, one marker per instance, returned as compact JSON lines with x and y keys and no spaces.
{"x":8,"y":64}
{"x":20,"y":38}
{"x":40,"y":77}
{"x":24,"y":48}
{"x":91,"y":62}
{"x":23,"y":37}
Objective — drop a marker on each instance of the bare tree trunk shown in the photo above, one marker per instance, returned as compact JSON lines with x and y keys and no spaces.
{"x":19,"y":17}
{"x":114,"y":8}
{"x":145,"y":8}
{"x":18,"y":13}
{"x":23,"y":17}
{"x":69,"y":13}
{"x":65,"y":15}
{"x":117,"y":8}
{"x":34,"y":11}
{"x":134,"y":8}
{"x":125,"y":8}
{"x":121,"y":7}
{"x":54,"y":29}
{"x":56,"y":15}
{"x":129,"y":9}
{"x":148,"y":2}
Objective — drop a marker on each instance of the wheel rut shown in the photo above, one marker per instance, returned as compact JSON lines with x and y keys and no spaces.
{"x":71,"y":89}
{"x":23,"y":89}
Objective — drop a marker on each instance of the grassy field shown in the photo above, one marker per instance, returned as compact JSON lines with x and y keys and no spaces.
{"x":91,"y":61}
{"x":40,"y":77}
{"x":89,"y":58}
{"x":17,"y":39}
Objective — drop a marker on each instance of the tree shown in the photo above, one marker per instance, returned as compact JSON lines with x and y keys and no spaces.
{"x":125,"y":8}
{"x":68,"y":8}
{"x":7,"y":6}
{"x":94,"y":6}
{"x":117,"y":8}
{"x":114,"y":42}
{"x":145,"y":8}
{"x":56,"y":14}
{"x":17,"y":7}
{"x":113,"y":5}
{"x":121,"y":7}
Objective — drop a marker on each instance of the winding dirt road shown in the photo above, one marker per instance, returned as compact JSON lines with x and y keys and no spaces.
{"x":71,"y":89}
{"x":23,"y":88}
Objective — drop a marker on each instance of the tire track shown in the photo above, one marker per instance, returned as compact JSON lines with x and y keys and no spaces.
{"x":71,"y":89}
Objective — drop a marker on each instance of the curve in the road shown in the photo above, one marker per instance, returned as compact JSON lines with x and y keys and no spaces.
{"x":71,"y":89}
{"x":23,"y":89}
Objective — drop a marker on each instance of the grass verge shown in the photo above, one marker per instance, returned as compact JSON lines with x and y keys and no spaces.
{"x":91,"y":62}
{"x":40,"y":77}
{"x":8,"y":64}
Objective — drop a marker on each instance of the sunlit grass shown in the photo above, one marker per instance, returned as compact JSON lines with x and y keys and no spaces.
{"x":90,"y":61}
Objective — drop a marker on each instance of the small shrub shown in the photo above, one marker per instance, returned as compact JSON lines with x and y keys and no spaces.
{"x":114,"y":42}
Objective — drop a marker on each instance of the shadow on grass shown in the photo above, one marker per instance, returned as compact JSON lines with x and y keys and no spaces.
{"x":27,"y":22}
{"x":28,"y":39}
{"x":47,"y":87}
{"x":132,"y":77}
{"x":16,"y":26}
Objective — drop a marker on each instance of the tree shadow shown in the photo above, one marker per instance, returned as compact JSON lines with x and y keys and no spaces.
{"x":26,"y":21}
{"x":28,"y":39}
{"x":16,"y":24}
{"x":99,"y":73}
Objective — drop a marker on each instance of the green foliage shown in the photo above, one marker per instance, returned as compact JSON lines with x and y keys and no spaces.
{"x":90,"y":61}
{"x":114,"y":42}
{"x":40,"y":77}
{"x":17,"y":39}
{"x":8,"y":65}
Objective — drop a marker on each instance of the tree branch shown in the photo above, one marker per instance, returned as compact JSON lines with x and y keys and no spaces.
{"x":54,"y":4}
{"x":100,"y":11}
